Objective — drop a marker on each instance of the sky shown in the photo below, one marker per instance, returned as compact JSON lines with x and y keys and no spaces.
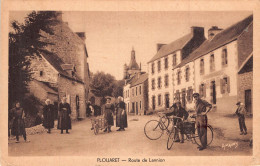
{"x":110,"y":36}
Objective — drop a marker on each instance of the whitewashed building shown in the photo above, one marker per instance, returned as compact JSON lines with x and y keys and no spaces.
{"x":160,"y":73}
{"x":216,"y":63}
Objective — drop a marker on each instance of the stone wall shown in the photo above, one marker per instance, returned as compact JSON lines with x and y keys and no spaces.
{"x":245,"y":82}
{"x":71,"y":89}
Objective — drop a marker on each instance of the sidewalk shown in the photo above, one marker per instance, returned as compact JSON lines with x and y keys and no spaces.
{"x":227,"y":126}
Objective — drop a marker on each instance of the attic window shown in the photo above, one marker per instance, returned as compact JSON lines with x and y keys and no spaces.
{"x":41,"y":73}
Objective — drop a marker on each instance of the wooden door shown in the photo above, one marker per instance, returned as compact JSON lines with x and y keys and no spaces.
{"x":248,"y":100}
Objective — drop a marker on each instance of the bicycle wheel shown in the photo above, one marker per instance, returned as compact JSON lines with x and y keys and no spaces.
{"x":152,"y":129}
{"x":209,"y":136}
{"x":166,"y":123}
{"x":171,"y":140}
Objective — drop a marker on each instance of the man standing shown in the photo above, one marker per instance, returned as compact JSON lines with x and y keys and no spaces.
{"x":241,"y":112}
{"x":64,"y":122}
{"x":202,"y":107}
{"x":181,"y":113}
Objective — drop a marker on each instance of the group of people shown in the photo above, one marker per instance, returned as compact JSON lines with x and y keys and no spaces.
{"x":202,"y":107}
{"x":109,"y":110}
{"x":16,"y":124}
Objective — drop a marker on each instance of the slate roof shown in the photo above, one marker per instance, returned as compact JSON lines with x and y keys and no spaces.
{"x":46,"y":87}
{"x":142,"y":78}
{"x":56,"y":62}
{"x":172,"y":47}
{"x":227,"y":35}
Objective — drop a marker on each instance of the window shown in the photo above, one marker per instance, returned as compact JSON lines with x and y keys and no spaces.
{"x":179,"y":77}
{"x":159,"y":65}
{"x":140,"y":105}
{"x":136,"y":91}
{"x":166,"y":80}
{"x":174,"y":60}
{"x":187,"y":74}
{"x":202,"y":90}
{"x":167,"y":102}
{"x":159,"y":99}
{"x":202,"y":66}
{"x":140,"y":90}
{"x":128,"y":93}
{"x":133,"y":92}
{"x":224,"y":57}
{"x":212,"y":62}
{"x":152,"y":68}
{"x":41,"y":73}
{"x":153,"y":84}
{"x":159,"y":82}
{"x":166,"y":63}
{"x":225,"y":85}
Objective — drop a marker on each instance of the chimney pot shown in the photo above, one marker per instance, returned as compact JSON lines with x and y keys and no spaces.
{"x":81,"y":35}
{"x":213,"y":31}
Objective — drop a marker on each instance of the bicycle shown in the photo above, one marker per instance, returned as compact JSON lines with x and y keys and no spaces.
{"x":190,"y":132}
{"x":154,"y":129}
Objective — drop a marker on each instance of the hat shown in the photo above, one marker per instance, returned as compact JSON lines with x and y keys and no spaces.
{"x":238,"y":103}
{"x":195,"y":94}
{"x":177,"y":101}
{"x":108,"y":97}
{"x":46,"y":101}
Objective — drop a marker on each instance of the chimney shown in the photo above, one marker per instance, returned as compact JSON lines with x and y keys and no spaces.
{"x":213,"y":31}
{"x":81,"y":35}
{"x":159,"y":45}
{"x":197,"y":31}
{"x":59,"y":15}
{"x":140,"y":66}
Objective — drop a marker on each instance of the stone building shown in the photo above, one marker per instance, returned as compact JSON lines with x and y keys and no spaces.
{"x":135,"y":91}
{"x":217,"y":66}
{"x":66,"y":72}
{"x":160,"y":74}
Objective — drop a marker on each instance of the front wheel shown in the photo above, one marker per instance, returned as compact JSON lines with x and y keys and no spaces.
{"x":171,"y":139}
{"x":152,"y":130}
{"x":209,"y":136}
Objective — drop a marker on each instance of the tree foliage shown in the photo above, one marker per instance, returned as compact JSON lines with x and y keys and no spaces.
{"x":118,"y":88}
{"x":102,"y":84}
{"x":25,"y":42}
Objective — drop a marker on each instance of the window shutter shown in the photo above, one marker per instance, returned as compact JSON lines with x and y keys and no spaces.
{"x":228,"y":84}
{"x":221,"y":86}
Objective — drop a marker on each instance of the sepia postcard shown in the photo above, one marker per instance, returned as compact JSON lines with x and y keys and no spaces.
{"x":130,"y":83}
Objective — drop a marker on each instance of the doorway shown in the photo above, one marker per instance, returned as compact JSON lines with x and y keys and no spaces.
{"x":183,"y":98}
{"x":248,"y":100}
{"x":136,"y":108}
{"x":133,"y":108}
{"x":214,"y":98}
{"x":167,"y":104}
{"x":153,"y":102}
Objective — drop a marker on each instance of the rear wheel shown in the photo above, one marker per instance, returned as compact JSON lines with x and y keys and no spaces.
{"x":152,"y":129}
{"x":171,"y":140}
{"x":209,"y":136}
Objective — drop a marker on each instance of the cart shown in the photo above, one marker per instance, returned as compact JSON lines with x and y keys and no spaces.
{"x":98,"y":123}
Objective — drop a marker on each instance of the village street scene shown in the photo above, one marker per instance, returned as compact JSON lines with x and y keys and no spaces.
{"x":130,"y":83}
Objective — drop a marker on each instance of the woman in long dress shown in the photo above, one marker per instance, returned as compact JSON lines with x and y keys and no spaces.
{"x":18,"y":126}
{"x":64,"y":122}
{"x":109,"y":109}
{"x":121,"y":116}
{"x":48,"y":115}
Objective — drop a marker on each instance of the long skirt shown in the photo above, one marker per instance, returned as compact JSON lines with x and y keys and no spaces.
{"x":18,"y":127}
{"x":121,"y":120}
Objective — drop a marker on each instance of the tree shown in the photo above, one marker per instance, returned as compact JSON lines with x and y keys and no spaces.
{"x":25,"y":42}
{"x":118,"y":89}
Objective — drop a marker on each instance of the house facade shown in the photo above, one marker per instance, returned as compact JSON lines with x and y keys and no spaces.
{"x":66,"y":71}
{"x":216,"y":65}
{"x":135,"y":91}
{"x":161,"y":76}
